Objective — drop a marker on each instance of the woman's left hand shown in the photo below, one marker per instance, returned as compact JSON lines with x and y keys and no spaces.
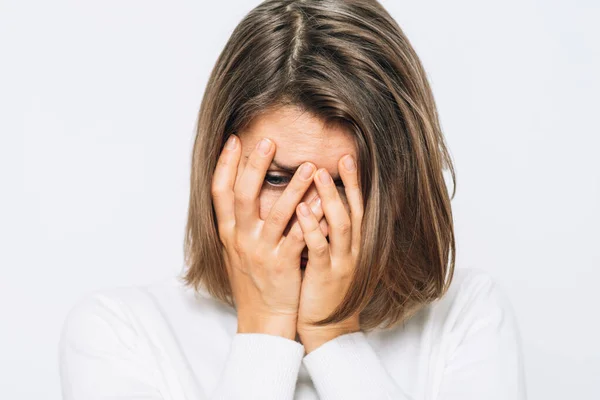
{"x":330,"y":265}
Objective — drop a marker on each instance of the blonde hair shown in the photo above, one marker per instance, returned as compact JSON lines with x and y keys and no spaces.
{"x":347,"y":62}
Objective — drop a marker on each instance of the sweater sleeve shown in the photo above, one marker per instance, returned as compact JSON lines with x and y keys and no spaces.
{"x":260,"y":366}
{"x":483,"y":358}
{"x":348,"y":368}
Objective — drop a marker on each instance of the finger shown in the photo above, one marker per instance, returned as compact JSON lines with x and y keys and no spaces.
{"x":319,"y":255}
{"x":340,"y":228}
{"x":323,"y":225}
{"x":241,"y":164}
{"x":223,"y":183}
{"x":349,"y":175}
{"x":285,"y":206}
{"x":294,"y":241}
{"x":248,"y":187}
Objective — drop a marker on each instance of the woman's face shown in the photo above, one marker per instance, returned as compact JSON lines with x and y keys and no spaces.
{"x":298,"y":137}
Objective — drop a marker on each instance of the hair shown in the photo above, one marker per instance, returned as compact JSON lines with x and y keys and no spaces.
{"x":345,"y":62}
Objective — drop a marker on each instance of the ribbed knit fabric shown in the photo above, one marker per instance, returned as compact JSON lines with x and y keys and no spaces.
{"x":164,"y":341}
{"x":269,"y":365}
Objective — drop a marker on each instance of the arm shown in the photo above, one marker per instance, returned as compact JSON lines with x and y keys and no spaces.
{"x":484,"y":355}
{"x":348,"y":368}
{"x":106,"y":352}
{"x":260,"y":366}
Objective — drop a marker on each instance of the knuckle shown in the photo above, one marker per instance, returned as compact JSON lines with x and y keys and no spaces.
{"x":217,"y":191}
{"x":243,"y":197}
{"x":296,"y":187}
{"x":351,"y":186}
{"x":296,"y":235}
{"x":345,"y":227}
{"x":277,"y":217}
{"x":344,"y":274}
{"x":224,"y":234}
{"x":258,"y":258}
{"x":237,"y":245}
{"x":358,"y":214}
{"x":321,"y":249}
{"x":279,"y":270}
{"x":224,"y":239}
{"x":255,"y":162}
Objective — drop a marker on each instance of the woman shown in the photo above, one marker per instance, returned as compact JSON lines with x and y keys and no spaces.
{"x":320,"y":244}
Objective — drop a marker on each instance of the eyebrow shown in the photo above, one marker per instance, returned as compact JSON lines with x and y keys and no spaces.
{"x":291,"y":169}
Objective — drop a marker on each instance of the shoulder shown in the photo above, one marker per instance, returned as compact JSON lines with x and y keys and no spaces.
{"x":102,"y":316}
{"x":120,"y":337}
{"x":475,"y":333}
{"x":476,"y":321}
{"x":475,"y":314}
{"x":113,"y":314}
{"x":125,"y":313}
{"x":473,"y":291}
{"x":474,"y":302}
{"x":470,"y":283}
{"x":473,"y":298}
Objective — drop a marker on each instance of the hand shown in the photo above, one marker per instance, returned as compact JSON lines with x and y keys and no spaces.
{"x":330,"y":265}
{"x":262,"y":265}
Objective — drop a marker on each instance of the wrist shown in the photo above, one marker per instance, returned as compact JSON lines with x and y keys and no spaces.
{"x":313,"y":338}
{"x":277,"y":326}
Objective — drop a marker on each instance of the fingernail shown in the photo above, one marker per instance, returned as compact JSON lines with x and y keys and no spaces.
{"x":304,"y":209}
{"x":264,"y":146}
{"x":349,"y":163}
{"x":306,"y":171}
{"x":324,"y":177}
{"x":231,"y":143}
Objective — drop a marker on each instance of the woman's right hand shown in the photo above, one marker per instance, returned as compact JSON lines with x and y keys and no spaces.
{"x":262,"y":264}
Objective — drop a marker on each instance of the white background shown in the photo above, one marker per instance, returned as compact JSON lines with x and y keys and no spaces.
{"x":98,"y":101}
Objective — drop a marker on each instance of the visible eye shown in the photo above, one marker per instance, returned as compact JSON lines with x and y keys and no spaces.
{"x":280,"y":181}
{"x":276,"y":180}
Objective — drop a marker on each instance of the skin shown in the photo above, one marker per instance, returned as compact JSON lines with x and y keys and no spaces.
{"x":298,"y":138}
{"x":331,"y":229}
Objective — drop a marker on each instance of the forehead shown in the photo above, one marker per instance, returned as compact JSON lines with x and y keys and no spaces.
{"x":299,"y":137}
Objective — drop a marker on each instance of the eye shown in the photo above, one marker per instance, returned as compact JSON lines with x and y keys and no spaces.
{"x":276,"y":180}
{"x":280,"y":181}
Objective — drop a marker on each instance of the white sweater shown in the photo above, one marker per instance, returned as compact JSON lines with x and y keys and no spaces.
{"x":164,"y":342}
